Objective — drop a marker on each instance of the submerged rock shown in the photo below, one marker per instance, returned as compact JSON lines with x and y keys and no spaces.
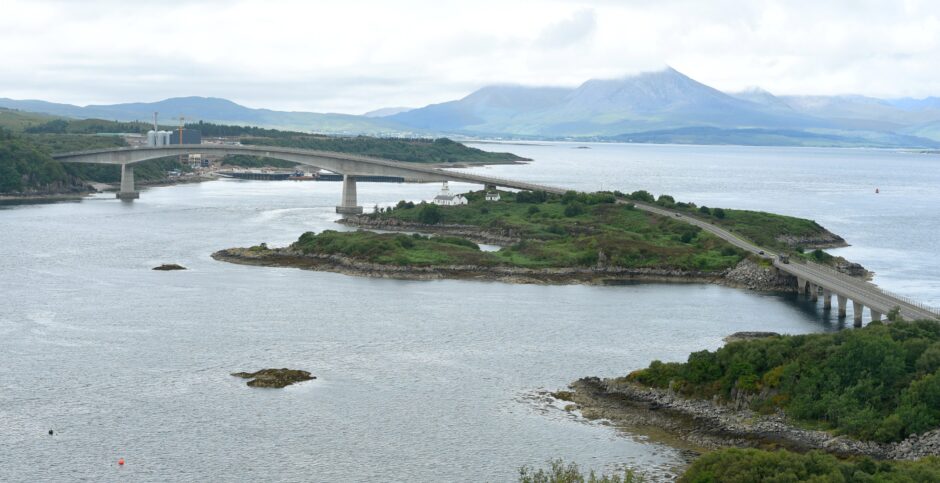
{"x":169,"y":266}
{"x":276,"y":378}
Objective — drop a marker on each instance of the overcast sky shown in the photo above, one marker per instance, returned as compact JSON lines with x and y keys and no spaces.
{"x":354,"y":56}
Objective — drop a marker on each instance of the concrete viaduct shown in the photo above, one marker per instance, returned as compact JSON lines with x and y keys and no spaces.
{"x":811,"y":278}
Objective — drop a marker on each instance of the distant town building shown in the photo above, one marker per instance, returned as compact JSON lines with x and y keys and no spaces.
{"x":190,"y":136}
{"x":446,"y":198}
{"x":492,"y":195}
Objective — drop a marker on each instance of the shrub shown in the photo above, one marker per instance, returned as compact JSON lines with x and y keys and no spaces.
{"x":574,"y":209}
{"x":718,"y":213}
{"x":666,"y":200}
{"x":430,"y":214}
{"x":642,"y":195}
{"x":705,"y":211}
{"x":559,"y":472}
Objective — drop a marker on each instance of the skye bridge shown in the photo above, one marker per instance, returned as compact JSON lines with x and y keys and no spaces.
{"x":812,"y":279}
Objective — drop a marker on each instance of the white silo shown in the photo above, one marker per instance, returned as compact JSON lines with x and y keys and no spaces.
{"x":151,"y":138}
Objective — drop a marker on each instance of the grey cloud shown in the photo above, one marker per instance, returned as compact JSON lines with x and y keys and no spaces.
{"x":570,"y":31}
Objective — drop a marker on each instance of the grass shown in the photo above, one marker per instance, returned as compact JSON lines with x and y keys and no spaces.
{"x":395,"y":249}
{"x":555,"y":235}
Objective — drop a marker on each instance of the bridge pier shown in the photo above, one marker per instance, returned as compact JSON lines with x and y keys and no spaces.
{"x":857,"y":309}
{"x":348,"y":204}
{"x":127,"y":192}
{"x":800,"y":286}
{"x":843,"y":301}
{"x":813,"y":292}
{"x":875,"y":315}
{"x":827,"y":299}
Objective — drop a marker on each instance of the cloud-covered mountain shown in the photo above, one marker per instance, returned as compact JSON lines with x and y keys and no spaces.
{"x":661,"y":106}
{"x":654,"y":100}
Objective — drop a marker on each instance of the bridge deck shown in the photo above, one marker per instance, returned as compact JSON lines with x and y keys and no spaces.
{"x":861,"y":291}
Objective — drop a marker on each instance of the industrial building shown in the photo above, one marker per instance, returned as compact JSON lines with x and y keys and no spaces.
{"x":190,"y":136}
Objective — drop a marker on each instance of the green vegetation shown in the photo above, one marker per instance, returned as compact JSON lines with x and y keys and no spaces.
{"x":17,"y":121}
{"x":578,"y":230}
{"x":764,"y":229}
{"x":27,"y":166}
{"x":209,"y":129}
{"x":751,"y":465}
{"x":88,"y":126}
{"x":440,"y":150}
{"x":559,"y":472}
{"x":395,"y":249}
{"x":23,"y":165}
{"x":878,"y":383}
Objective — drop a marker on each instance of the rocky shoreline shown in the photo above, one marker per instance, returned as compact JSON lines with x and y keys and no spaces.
{"x":713,"y":425}
{"x":287,"y":257}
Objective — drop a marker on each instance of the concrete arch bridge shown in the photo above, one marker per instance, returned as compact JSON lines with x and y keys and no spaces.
{"x":349,"y":165}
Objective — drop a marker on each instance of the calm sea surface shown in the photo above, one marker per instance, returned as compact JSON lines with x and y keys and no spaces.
{"x":417,"y":381}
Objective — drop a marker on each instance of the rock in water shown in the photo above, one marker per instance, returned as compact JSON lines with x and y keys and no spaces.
{"x":169,"y":266}
{"x":276,"y":378}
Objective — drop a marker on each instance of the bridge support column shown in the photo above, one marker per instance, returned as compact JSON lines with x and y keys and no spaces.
{"x":857,"y":309}
{"x":489,"y":187}
{"x":800,"y":286}
{"x":843,"y":301}
{"x":348,"y":204}
{"x":813,"y":292}
{"x":127,"y":191}
{"x":827,"y":299}
{"x":875,"y":316}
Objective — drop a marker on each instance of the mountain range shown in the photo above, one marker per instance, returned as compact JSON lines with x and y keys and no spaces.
{"x":662,"y":106}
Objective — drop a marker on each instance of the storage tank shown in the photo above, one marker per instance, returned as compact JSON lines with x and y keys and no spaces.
{"x":151,"y":138}
{"x":163,"y":138}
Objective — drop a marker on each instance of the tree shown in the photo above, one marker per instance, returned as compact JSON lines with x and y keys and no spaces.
{"x":430,"y":214}
{"x":719,"y":213}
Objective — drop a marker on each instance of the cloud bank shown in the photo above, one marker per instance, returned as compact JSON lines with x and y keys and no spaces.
{"x":360,"y":55}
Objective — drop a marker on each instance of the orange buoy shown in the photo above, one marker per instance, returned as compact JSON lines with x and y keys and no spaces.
{"x":121,"y":462}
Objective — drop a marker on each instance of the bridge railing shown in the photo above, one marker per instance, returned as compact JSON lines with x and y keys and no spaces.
{"x":870,"y":286}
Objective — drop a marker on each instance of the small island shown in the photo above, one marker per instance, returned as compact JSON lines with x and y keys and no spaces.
{"x":169,"y":267}
{"x":597,"y":238}
{"x":275,"y":378}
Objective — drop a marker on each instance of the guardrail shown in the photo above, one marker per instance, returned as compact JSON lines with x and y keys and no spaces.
{"x":863,"y":285}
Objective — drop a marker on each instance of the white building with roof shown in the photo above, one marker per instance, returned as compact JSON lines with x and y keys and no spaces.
{"x":446,"y":198}
{"x":492,"y":195}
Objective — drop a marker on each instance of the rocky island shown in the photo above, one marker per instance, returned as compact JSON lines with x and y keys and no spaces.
{"x":593,"y":238}
{"x":166,"y":267}
{"x":275,"y":378}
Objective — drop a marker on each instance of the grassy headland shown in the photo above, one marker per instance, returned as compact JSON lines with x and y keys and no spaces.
{"x":575,"y":230}
{"x":575,"y":237}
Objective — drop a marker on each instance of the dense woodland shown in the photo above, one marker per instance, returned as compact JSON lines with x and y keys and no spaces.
{"x":878,"y":383}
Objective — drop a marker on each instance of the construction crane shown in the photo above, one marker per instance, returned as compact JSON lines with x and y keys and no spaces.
{"x":181,"y":119}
